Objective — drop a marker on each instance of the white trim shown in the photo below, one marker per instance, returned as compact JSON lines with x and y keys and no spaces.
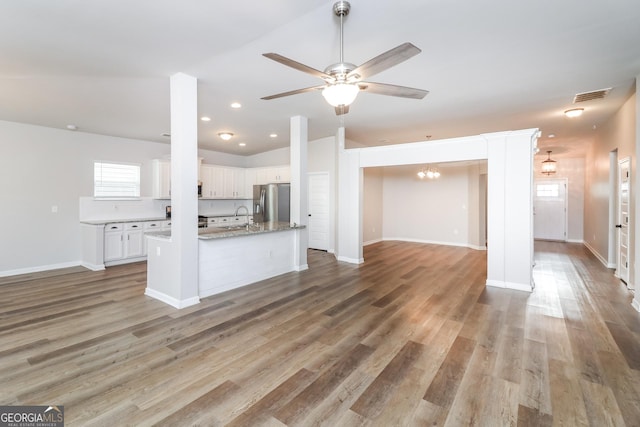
{"x":301,"y":267}
{"x":371,"y":242}
{"x":575,"y":241}
{"x":597,"y":255}
{"x":350,"y":260}
{"x":509,"y":285}
{"x":636,"y":304}
{"x":126,"y":260}
{"x":435,"y":242}
{"x":39,"y":268}
{"x":93,"y":267}
{"x":174,"y":302}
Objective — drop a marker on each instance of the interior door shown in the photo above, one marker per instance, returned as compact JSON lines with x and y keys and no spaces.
{"x":623,"y":219}
{"x":318,"y":211}
{"x":550,"y":210}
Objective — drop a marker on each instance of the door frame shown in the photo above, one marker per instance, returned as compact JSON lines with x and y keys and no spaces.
{"x":564,"y":181}
{"x":618,"y":220}
{"x":330,"y":241}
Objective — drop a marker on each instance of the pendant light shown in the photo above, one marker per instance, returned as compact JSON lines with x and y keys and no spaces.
{"x":549,"y":165}
{"x":431,"y":173}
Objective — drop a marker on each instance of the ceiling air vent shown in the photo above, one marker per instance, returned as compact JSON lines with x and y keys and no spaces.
{"x":590,"y":96}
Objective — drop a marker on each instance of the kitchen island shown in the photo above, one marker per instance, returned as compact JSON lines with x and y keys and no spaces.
{"x":229,"y":258}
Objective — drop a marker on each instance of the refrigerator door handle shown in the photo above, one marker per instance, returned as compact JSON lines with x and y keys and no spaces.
{"x":263,"y":195}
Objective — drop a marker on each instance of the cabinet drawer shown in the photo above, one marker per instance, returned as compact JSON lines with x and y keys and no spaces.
{"x":113,"y":227}
{"x":237,"y":219}
{"x":166,"y":225}
{"x":154,"y":225}
{"x":212,"y":221}
{"x":133,"y":226}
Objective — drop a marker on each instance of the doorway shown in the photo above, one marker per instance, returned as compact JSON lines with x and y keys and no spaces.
{"x":550,"y":209}
{"x":319,"y":210}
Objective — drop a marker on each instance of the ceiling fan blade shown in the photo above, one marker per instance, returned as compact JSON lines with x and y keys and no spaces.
{"x":298,"y":66}
{"x":392,"y":90}
{"x":342,"y":109}
{"x":293,"y":92}
{"x":385,"y":60}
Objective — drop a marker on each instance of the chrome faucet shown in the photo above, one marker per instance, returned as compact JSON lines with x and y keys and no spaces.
{"x":246,"y":210}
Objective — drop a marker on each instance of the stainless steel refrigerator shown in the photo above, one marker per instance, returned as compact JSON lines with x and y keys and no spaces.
{"x":271,"y":203}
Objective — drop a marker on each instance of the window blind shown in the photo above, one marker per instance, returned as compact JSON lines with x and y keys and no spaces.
{"x":113,"y":180}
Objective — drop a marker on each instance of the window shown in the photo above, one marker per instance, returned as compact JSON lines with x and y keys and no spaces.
{"x":116,"y":180}
{"x":547,"y":190}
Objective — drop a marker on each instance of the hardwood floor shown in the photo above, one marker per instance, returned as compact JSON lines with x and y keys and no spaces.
{"x":411,"y":337}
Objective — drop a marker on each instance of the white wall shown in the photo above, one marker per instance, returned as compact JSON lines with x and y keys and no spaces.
{"x":573,"y":169}
{"x":509,"y":195}
{"x":44,"y":167}
{"x":425,"y":210}
{"x":618,"y":133}
{"x":372,"y":205}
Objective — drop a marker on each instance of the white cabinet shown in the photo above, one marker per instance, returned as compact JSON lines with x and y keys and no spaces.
{"x":123,"y":241}
{"x":212,"y":178}
{"x":133,"y":238}
{"x":234,"y":183}
{"x":161,"y":185}
{"x":249,"y":182}
{"x":272,"y":174}
{"x":113,"y":243}
{"x":279,"y":174}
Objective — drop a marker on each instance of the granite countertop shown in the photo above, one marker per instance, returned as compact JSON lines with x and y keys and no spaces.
{"x":113,"y":221}
{"x":211,"y":233}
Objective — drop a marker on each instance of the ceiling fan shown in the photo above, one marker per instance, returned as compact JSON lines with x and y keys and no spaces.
{"x":344,"y":80}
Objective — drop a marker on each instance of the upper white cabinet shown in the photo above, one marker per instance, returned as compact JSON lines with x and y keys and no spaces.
{"x":161,"y":186}
{"x":220,"y":182}
{"x":212,"y":178}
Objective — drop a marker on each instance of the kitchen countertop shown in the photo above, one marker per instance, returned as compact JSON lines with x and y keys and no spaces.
{"x":211,"y":233}
{"x":113,"y":221}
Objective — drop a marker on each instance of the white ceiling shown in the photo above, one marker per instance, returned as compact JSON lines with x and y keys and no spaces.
{"x":103,"y":65}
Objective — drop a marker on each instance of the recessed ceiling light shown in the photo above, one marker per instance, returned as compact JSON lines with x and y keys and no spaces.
{"x":225,"y":135}
{"x":574,"y":112}
{"x":236,"y":105}
{"x":273,"y":135}
{"x":551,"y":135}
{"x":242,"y":144}
{"x":205,"y":119}
{"x":72,"y":127}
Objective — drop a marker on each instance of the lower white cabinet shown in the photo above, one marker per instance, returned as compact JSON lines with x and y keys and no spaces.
{"x":123,"y":241}
{"x":113,"y":242}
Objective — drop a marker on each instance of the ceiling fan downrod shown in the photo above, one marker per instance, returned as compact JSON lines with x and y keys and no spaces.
{"x":341,"y":9}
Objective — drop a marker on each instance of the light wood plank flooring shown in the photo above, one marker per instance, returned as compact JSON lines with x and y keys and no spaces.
{"x":411,"y":337}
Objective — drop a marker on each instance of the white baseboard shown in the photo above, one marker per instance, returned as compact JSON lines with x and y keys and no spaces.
{"x":350,"y":260}
{"x":509,"y":285}
{"x":301,"y":267}
{"x":597,"y":255}
{"x":93,"y":267}
{"x":371,"y":242}
{"x":39,"y":268}
{"x":435,"y":242}
{"x":174,"y":302}
{"x":636,"y":304}
{"x":575,"y":241}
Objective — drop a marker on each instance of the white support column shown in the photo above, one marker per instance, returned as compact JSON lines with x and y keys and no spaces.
{"x":172,"y":265}
{"x":299,"y":188}
{"x":350,"y":178}
{"x":510,"y":209}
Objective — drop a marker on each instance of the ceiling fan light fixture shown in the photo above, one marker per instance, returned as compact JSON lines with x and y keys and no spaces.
{"x":574,"y":112}
{"x":340,"y":94}
{"x":225,"y":136}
